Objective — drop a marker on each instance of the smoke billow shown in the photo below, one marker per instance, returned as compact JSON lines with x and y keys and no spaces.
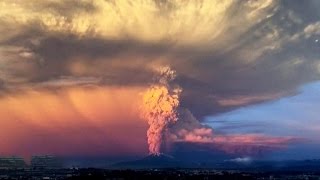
{"x":160,"y":103}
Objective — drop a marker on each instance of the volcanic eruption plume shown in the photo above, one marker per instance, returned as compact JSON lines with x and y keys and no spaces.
{"x":159,"y":108}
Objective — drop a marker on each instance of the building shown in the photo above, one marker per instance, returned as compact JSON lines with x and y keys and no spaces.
{"x":12,"y":162}
{"x":45,"y":162}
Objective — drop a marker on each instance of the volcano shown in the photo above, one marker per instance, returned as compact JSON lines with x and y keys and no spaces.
{"x":151,"y":161}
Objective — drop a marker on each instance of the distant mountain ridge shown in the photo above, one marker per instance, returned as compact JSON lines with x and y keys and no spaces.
{"x":152,"y":161}
{"x":166,"y":161}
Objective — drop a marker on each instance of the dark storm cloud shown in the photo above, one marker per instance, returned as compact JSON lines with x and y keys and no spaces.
{"x":245,"y":63}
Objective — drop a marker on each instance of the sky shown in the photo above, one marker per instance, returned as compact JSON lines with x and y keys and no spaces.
{"x":295,"y":116}
{"x":131,"y":78}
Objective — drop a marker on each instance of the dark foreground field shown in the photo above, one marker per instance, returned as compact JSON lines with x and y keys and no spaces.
{"x":154,"y":174}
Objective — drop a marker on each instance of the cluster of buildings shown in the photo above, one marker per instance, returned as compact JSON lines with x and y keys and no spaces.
{"x":37,"y":163}
{"x":12,"y":163}
{"x":40,"y":167}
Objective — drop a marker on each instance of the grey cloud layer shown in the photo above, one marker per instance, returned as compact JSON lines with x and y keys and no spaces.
{"x":226,"y":54}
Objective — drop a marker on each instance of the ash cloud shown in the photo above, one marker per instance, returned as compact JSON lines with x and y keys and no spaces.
{"x":227,"y":54}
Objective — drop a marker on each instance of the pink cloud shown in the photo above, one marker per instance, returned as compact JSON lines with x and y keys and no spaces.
{"x":245,"y":144}
{"x":245,"y":100}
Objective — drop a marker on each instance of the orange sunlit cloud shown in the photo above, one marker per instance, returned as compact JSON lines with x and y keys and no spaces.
{"x":75,"y":120}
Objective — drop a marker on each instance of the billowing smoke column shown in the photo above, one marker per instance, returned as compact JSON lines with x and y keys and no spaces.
{"x":159,"y":108}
